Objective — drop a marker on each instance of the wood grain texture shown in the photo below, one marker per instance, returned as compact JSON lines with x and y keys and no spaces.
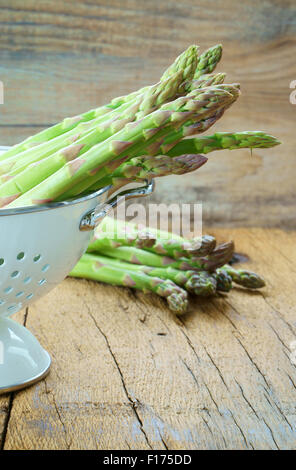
{"x":127,"y":374}
{"x":61,"y":58}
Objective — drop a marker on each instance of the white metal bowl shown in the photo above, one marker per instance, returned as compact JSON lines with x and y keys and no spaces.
{"x":39,"y":246}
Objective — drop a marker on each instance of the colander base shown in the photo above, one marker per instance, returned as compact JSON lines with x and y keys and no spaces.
{"x":23,"y":361}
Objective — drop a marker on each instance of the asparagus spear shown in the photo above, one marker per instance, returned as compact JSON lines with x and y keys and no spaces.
{"x":193,"y":107}
{"x":202,"y":283}
{"x":244,"y":278}
{"x":220,"y":256}
{"x":186,"y":62}
{"x":116,"y":233}
{"x":13,"y":165}
{"x":224,"y":140}
{"x":33,"y":174}
{"x":189,"y":129}
{"x":97,"y":268}
{"x":94,"y":182}
{"x":223,"y":280}
{"x":217,"y":258}
{"x":190,"y":280}
{"x":208,"y":61}
{"x":148,"y":167}
{"x":98,"y":129}
{"x":196,"y":247}
{"x":156,"y":143}
{"x":208,"y":80}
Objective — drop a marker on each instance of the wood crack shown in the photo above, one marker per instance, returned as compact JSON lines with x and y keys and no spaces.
{"x":132,"y":402}
{"x":253,"y":362}
{"x":240,"y":429}
{"x":246,"y":400}
{"x":278,"y":313}
{"x":278,"y":408}
{"x":48,"y":392}
{"x":271,"y":433}
{"x":6,"y":422}
{"x":216,"y":367}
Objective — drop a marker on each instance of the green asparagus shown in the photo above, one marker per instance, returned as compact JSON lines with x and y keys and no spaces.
{"x":38,"y":171}
{"x":117,"y":233}
{"x":148,"y":167}
{"x":224,"y":140}
{"x":186,"y":62}
{"x":174,"y":134}
{"x":244,"y":278}
{"x":217,"y":258}
{"x":193,"y":107}
{"x":223,"y":280}
{"x":97,"y":268}
{"x":208,"y":61}
{"x":190,"y":280}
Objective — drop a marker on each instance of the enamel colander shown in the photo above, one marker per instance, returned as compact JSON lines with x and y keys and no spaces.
{"x":39,"y":246}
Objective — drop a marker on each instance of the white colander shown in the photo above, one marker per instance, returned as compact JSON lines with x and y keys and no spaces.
{"x":39,"y":246}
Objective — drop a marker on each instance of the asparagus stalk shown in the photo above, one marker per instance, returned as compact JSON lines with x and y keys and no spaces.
{"x":97,"y":268}
{"x":13,"y":165}
{"x":224,"y":140}
{"x":180,"y":248}
{"x":186,"y":62}
{"x":208,"y":80}
{"x":220,"y":256}
{"x":244,"y":278}
{"x":148,"y":167}
{"x":171,"y":137}
{"x":223,"y":280}
{"x":217,"y":258}
{"x":38,"y":171}
{"x":50,"y":133}
{"x":94,"y":182}
{"x":189,"y":129}
{"x":202,"y":283}
{"x":194,"y":107}
{"x":178,"y":277}
{"x":116,"y":233}
{"x":101,"y":128}
{"x":208,"y":61}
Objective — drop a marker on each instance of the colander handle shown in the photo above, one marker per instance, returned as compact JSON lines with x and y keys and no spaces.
{"x":92,"y":218}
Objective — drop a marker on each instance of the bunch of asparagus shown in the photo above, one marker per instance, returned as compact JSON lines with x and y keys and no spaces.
{"x":126,"y":254}
{"x":134,"y":137}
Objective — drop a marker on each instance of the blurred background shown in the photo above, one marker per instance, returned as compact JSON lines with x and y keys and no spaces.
{"x":60,"y":58}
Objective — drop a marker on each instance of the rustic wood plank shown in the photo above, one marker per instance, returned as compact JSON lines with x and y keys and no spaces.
{"x":127,"y":374}
{"x":45,"y":46}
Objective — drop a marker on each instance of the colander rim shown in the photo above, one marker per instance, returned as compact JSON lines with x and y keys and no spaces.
{"x":54,"y":205}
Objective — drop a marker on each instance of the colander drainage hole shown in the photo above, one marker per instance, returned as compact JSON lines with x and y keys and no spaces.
{"x":15,"y":274}
{"x":29,"y":296}
{"x":41,"y":282}
{"x":8,"y":290}
{"x":2,"y":261}
{"x":20,"y":256}
{"x":12,"y":308}
{"x":45,"y":268}
{"x":2,"y":302}
{"x":27,"y":280}
{"x":19,"y":294}
{"x":36,"y":258}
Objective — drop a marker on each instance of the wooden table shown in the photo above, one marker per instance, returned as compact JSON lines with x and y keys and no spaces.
{"x":127,"y":374}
